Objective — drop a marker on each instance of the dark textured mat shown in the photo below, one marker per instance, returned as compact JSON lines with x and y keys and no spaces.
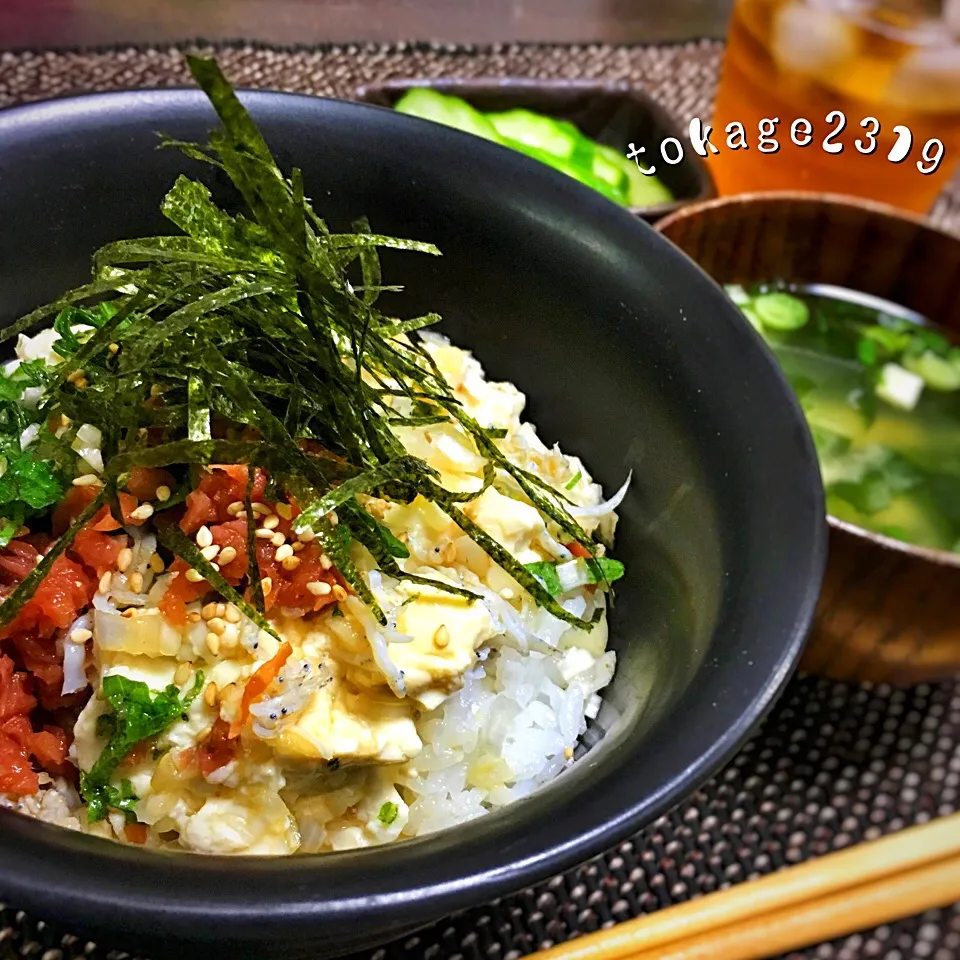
{"x":834,"y":763}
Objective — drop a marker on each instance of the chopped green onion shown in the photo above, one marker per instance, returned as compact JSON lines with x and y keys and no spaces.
{"x":781,"y":311}
{"x":388,"y":813}
{"x":937,"y":372}
{"x":867,"y":352}
{"x":574,"y":480}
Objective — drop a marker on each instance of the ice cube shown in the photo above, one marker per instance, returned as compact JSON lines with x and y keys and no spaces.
{"x":928,"y":79}
{"x":812,"y":40}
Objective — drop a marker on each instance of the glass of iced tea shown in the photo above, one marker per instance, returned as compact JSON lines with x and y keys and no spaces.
{"x":840,"y":96}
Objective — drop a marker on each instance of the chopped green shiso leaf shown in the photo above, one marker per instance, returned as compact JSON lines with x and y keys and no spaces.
{"x":34,"y":464}
{"x":599,"y":570}
{"x":138,"y":714}
{"x":260,"y":321}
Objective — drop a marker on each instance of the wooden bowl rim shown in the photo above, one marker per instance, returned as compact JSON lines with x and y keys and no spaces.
{"x":942,"y":558}
{"x":808,"y":198}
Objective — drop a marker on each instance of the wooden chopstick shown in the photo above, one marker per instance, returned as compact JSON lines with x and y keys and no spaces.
{"x":883,"y":901}
{"x":875,"y":882}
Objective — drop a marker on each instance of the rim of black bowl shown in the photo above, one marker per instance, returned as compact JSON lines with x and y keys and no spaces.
{"x":188,"y":898}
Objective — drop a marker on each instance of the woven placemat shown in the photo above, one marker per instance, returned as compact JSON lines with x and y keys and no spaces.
{"x":834,"y":763}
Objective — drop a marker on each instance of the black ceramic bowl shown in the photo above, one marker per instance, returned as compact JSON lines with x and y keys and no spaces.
{"x":631,"y":357}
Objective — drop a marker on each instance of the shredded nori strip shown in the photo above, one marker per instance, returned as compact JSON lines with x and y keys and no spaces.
{"x":244,"y":341}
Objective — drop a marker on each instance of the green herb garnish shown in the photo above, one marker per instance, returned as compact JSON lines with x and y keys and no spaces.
{"x":138,"y":715}
{"x":388,"y":813}
{"x":573,"y":481}
{"x":598,"y":570}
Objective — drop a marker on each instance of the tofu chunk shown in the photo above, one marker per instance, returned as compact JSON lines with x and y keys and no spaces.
{"x":354,"y":726}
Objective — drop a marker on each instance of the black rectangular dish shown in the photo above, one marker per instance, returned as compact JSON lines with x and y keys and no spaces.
{"x":614,"y":114}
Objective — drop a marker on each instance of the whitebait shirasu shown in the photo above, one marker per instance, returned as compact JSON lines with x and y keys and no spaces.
{"x":298,"y":681}
{"x":604,"y":507}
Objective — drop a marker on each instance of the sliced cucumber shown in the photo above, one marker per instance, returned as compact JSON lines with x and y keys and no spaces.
{"x":643,"y":190}
{"x":570,"y":169}
{"x":609,"y":169}
{"x":452,"y":111}
{"x":556,"y":137}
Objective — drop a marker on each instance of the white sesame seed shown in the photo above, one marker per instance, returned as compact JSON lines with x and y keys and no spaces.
{"x":143,"y":512}
{"x":105,"y":582}
{"x":441,"y":637}
{"x":266,"y":584}
{"x":182,"y":675}
{"x":221,"y":610}
{"x":80,"y":635}
{"x":232,"y":614}
{"x":298,"y":545}
{"x":325,"y":561}
{"x":216,"y":625}
{"x":318,"y":588}
{"x":290,"y":563}
{"x":264,"y":534}
{"x":278,"y":539}
{"x":87,"y":480}
{"x":163,"y":493}
{"x":136,"y":582}
{"x":260,"y":509}
{"x":235,"y":508}
{"x":338,"y":592}
{"x":213,"y":644}
{"x":124,"y":559}
{"x":193,"y":617}
{"x":204,"y":537}
{"x":156,"y":563}
{"x":271,"y":522}
{"x":194,"y":576}
{"x":210,"y":553}
{"x":209,"y":610}
{"x":306,"y":534}
{"x":227,"y":555}
{"x":283,"y":552}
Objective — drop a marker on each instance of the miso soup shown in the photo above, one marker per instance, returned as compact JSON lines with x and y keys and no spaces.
{"x":880,"y":387}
